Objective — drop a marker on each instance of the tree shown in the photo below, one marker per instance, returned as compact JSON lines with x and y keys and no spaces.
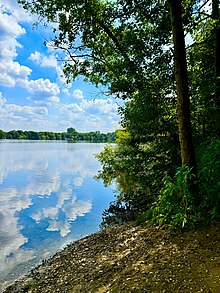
{"x":2,"y":134}
{"x":72,"y":133}
{"x":181,"y":75}
{"x":126,"y":46}
{"x":114,"y":44}
{"x":216,"y":18}
{"x":122,"y":46}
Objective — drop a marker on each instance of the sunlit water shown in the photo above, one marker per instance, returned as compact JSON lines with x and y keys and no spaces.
{"x":48,"y":198}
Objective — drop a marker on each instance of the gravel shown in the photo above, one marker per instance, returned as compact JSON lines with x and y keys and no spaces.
{"x":130,"y":258}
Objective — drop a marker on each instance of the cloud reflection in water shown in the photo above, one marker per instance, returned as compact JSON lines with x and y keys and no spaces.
{"x":47,"y":199}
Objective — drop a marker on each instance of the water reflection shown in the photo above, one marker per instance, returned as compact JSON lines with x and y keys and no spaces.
{"x":48,"y":197}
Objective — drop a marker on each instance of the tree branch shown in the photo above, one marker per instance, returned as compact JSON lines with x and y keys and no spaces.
{"x":203,"y":5}
{"x":74,"y":57}
{"x":199,"y":43}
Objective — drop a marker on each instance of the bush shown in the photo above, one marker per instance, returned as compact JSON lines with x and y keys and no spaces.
{"x":209,"y":175}
{"x":177,"y":206}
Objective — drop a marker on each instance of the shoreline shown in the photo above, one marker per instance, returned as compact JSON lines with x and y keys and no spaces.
{"x":130,"y":258}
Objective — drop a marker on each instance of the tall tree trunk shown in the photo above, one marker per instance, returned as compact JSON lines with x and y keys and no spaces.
{"x":181,"y":76}
{"x":216,"y":17}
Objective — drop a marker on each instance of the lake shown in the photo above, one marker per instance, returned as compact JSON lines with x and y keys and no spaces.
{"x":48,"y":198}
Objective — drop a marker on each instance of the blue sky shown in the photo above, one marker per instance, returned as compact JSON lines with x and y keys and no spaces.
{"x":33,"y":93}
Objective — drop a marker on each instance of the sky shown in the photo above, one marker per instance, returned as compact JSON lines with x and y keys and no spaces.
{"x":33,"y":93}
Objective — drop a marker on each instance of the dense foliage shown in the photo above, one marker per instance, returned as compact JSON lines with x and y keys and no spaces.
{"x":166,"y":160}
{"x":71,"y":134}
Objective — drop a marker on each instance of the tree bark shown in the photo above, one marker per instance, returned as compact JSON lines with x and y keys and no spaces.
{"x":181,"y":76}
{"x":215,"y":16}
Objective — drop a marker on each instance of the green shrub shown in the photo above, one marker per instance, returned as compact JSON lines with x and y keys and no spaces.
{"x":177,"y":206}
{"x":209,"y":175}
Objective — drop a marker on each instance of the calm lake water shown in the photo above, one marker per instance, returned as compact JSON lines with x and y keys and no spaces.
{"x":48,"y":198}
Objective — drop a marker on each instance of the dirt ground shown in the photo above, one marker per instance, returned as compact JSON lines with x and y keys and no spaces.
{"x":132,"y":258}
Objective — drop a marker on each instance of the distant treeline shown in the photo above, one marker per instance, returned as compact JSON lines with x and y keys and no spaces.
{"x":71,"y":134}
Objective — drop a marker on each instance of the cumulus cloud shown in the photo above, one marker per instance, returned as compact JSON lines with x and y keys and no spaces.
{"x":97,"y":114}
{"x":64,"y":195}
{"x":12,"y":7}
{"x":71,"y":108}
{"x":50,"y":60}
{"x":78,"y":94}
{"x":43,"y":86}
{"x":100,"y":106}
{"x":42,"y":60}
{"x":9,"y":27}
{"x":43,"y":91}
{"x":11,"y":115}
{"x":12,"y":73}
{"x":78,"y":181}
{"x":26,"y":110}
{"x":2,"y":99}
{"x":50,"y":212}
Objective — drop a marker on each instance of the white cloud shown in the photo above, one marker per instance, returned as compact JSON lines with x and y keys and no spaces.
{"x":10,"y":28}
{"x":78,"y":181}
{"x":44,"y":61}
{"x":43,"y":86}
{"x":35,"y":57}
{"x":10,"y":71}
{"x":26,"y":110}
{"x":42,"y":91}
{"x":50,"y":61}
{"x":50,"y":212}
{"x":12,"y":7}
{"x":66,"y":90}
{"x":2,"y":99}
{"x":69,"y":109}
{"x":14,"y":116}
{"x":98,"y":114}
{"x":78,"y":94}
{"x":100,"y":106}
